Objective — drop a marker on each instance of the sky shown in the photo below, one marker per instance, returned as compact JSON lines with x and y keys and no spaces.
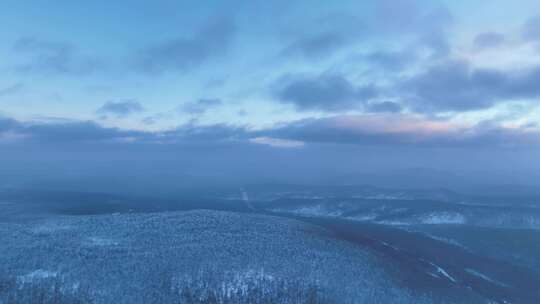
{"x":277,"y":90}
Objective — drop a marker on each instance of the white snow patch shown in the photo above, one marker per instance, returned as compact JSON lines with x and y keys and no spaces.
{"x":98,"y":241}
{"x":232,"y":283}
{"x":446,"y":240}
{"x":243,"y":280}
{"x":440,"y":218}
{"x":308,"y":197}
{"x":532,"y":222}
{"x":443,"y":272}
{"x":363,"y":217}
{"x":440,"y":270}
{"x":50,"y":227}
{"x":317,"y":210}
{"x":394,"y":223}
{"x":383,"y":196}
{"x":38,"y":274}
{"x":245,"y":198}
{"x":389,"y":246}
{"x":484,"y":277}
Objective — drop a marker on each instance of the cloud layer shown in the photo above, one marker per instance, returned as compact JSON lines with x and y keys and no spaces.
{"x":457,"y":86}
{"x":183,"y":53}
{"x":363,"y":130}
{"x":326,"y":92}
{"x":120,"y":108}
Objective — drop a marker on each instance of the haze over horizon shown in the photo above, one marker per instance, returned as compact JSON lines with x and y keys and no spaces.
{"x":401,"y":93}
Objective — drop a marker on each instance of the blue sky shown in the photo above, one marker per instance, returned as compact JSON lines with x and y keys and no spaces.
{"x":282,"y":74}
{"x":164,"y":55}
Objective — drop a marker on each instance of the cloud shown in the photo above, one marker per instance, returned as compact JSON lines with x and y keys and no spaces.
{"x":155,"y":118}
{"x":277,"y":142}
{"x":77,"y":131}
{"x":184,"y":53}
{"x":437,"y":42}
{"x":400,"y":16}
{"x":120,"y":108}
{"x":53,"y":58}
{"x":394,"y":130}
{"x":426,"y":23}
{"x":402,"y":130}
{"x":7,"y":124}
{"x":200,"y":106}
{"x":445,"y":86}
{"x":73,"y":132}
{"x":489,"y":40}
{"x":454,"y":86}
{"x":12,"y":89}
{"x":332,"y":93}
{"x":216,"y":133}
{"x":194,"y":108}
{"x":65,"y":131}
{"x":363,"y":129}
{"x":390,"y":60}
{"x":422,"y":24}
{"x":457,"y":86}
{"x":316,"y":46}
{"x":384,"y":107}
{"x":319,"y":38}
{"x":531,"y":29}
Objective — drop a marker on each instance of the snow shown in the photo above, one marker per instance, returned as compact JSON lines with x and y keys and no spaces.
{"x":447,"y":240}
{"x":363,"y":217}
{"x":100,"y":241}
{"x":441,"y":271}
{"x":444,"y":273}
{"x":440,"y":218}
{"x":484,"y":277}
{"x":120,"y":256}
{"x":314,"y":210}
{"x":38,"y":274}
{"x":48,"y":227}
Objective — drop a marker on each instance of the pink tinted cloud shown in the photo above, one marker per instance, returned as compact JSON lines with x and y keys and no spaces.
{"x":395,"y":124}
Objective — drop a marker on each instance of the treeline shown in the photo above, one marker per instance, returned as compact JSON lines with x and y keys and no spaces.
{"x":203,"y":289}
